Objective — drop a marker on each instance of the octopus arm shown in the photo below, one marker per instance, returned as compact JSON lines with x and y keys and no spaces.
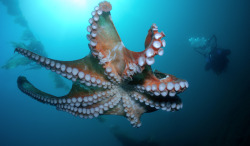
{"x":156,"y":103}
{"x":81,"y":70}
{"x":158,"y":84}
{"x":133,"y":111}
{"x":153,"y":46}
{"x":26,"y":87}
{"x":105,"y":43}
{"x":85,"y":102}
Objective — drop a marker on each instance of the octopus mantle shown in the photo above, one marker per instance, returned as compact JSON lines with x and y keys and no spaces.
{"x":111,"y":80}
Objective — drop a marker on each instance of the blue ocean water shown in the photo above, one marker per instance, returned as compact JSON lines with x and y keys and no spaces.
{"x":215,"y":107}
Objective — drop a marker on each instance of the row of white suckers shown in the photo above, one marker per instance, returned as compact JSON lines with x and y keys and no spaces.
{"x":74,"y":101}
{"x":163,"y":89}
{"x":131,"y":113}
{"x":167,"y":106}
{"x":72,"y":105}
{"x":89,"y":112}
{"x":92,"y":29}
{"x":93,"y":26}
{"x":68,"y":72}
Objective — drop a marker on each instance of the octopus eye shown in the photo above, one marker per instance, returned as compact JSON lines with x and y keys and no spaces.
{"x":159,"y":74}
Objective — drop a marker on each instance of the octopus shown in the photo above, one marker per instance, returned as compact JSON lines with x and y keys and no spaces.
{"x":110,"y":80}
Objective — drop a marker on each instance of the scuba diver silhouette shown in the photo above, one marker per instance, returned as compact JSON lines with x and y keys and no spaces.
{"x":216,"y":58}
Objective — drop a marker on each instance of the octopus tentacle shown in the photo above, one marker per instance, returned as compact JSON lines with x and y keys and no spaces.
{"x":92,"y":110}
{"x":159,"y":84}
{"x":84,"y":96}
{"x":154,"y":46}
{"x":133,"y":111}
{"x":105,"y":43}
{"x":79,"y":70}
{"x":167,"y":104}
{"x":25,"y":86}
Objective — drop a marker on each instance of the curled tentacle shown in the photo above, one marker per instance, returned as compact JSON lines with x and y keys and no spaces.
{"x":25,"y":86}
{"x":137,"y":61}
{"x":159,"y":84}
